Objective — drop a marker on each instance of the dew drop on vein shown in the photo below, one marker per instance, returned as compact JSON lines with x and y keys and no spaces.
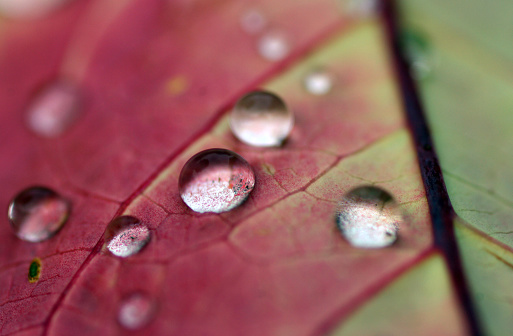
{"x":126,"y":236}
{"x":136,"y":311}
{"x":369,"y":217}
{"x":318,"y":82}
{"x":38,"y":213}
{"x":261,"y":119}
{"x":54,"y":109}
{"x":216,"y":180}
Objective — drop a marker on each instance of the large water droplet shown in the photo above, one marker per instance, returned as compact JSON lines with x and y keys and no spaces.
{"x":273,"y":46}
{"x":54,"y":109}
{"x":261,"y":119}
{"x":126,"y":236}
{"x":136,"y":311}
{"x":418,"y":52}
{"x":369,"y":217}
{"x":37,"y":213}
{"x":318,"y":82}
{"x":253,"y":21}
{"x":216,"y":180}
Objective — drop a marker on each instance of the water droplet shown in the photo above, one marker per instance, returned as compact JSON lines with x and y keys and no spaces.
{"x":126,"y":236}
{"x":416,"y":48}
{"x":369,"y":217}
{"x":34,"y":270}
{"x":273,"y":46}
{"x":216,"y":180}
{"x":261,"y":119}
{"x":37,"y":213}
{"x":54,"y":109}
{"x":318,"y":82}
{"x":136,"y":311}
{"x":253,"y":21}
{"x":360,"y":8}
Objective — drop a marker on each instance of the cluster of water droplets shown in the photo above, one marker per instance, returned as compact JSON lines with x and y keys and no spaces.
{"x":212,"y":181}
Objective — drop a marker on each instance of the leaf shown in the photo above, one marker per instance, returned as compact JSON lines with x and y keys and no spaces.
{"x":468,"y":100}
{"x":158,"y":80}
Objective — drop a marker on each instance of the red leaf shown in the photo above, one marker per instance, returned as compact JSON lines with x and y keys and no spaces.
{"x":158,"y":80}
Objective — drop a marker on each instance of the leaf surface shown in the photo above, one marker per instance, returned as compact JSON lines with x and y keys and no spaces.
{"x":159,"y":79}
{"x":468,"y":100}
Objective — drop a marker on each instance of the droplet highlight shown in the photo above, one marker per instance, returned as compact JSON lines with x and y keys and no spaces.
{"x":418,"y":52}
{"x":274,"y":46}
{"x":34,"y":270}
{"x":318,"y":82}
{"x":126,"y":236}
{"x":38,"y":213}
{"x":136,"y":311}
{"x":261,"y":119}
{"x":253,"y":21}
{"x":54,"y":109}
{"x":216,"y":180}
{"x":369,"y":217}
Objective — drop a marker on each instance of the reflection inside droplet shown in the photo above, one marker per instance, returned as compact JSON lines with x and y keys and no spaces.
{"x":253,"y":21}
{"x":54,"y":109}
{"x":318,"y":82}
{"x":216,"y":180}
{"x":37,"y":213}
{"x":136,"y":311}
{"x":261,"y":119}
{"x":368,"y":217}
{"x":273,"y":46}
{"x":126,"y":236}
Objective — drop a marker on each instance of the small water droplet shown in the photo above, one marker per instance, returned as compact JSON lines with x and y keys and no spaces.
{"x":273,"y":46}
{"x":136,"y":311}
{"x":360,"y":8}
{"x":54,"y":109}
{"x":318,"y":82}
{"x":34,"y":270}
{"x":253,"y":21}
{"x":216,"y":180}
{"x":416,"y":48}
{"x":261,"y":119}
{"x":37,"y":213}
{"x":126,"y":236}
{"x":369,"y":218}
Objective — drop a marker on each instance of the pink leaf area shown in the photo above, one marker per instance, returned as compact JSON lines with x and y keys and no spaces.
{"x":157,"y":81}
